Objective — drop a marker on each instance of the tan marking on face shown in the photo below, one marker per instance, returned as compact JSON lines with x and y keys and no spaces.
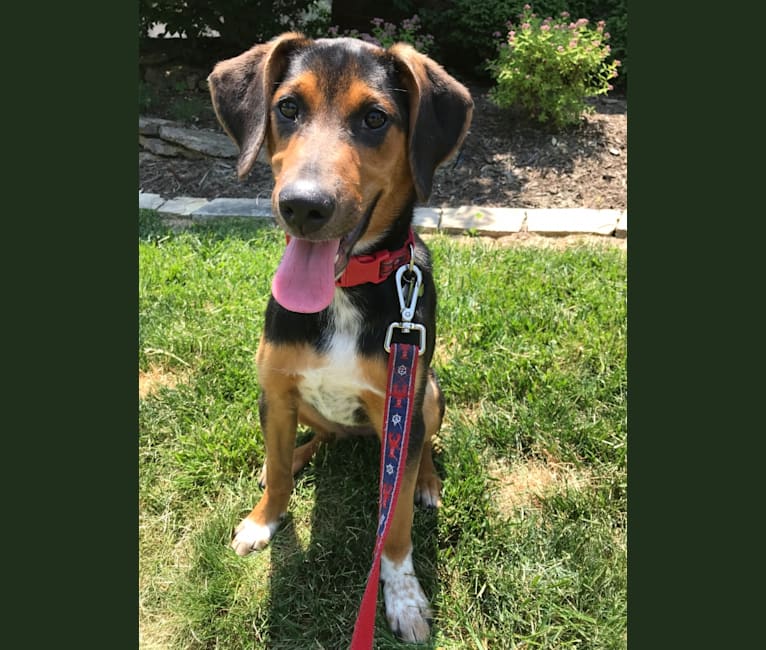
{"x":386,"y":169}
{"x":283,"y":151}
{"x":353,"y":172}
{"x":305,"y":87}
{"x":359,"y":95}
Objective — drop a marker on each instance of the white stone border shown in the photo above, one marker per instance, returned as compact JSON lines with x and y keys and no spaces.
{"x":492,"y":222}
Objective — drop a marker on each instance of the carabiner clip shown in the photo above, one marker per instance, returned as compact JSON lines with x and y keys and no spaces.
{"x":408,"y":311}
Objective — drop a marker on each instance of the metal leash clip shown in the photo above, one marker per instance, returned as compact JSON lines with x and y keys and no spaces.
{"x":408,"y":310}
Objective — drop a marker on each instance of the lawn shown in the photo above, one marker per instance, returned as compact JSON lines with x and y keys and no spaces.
{"x":529,"y":549}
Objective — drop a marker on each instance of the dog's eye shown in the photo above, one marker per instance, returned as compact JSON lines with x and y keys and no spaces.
{"x":288,"y":108}
{"x":375,"y":119}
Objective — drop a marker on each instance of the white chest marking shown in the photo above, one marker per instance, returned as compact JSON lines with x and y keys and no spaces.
{"x":333,"y":389}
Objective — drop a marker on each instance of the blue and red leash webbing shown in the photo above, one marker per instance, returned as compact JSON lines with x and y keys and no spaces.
{"x":400,"y":392}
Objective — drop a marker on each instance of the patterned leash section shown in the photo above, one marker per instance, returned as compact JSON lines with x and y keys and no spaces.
{"x":400,"y":393}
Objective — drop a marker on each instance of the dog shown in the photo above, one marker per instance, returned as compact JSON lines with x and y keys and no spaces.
{"x":353,"y":133}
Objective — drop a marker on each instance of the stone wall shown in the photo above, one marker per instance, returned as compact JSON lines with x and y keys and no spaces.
{"x":168,"y":138}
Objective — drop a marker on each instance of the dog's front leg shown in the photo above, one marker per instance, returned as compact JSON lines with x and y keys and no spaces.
{"x":407,"y":608}
{"x":279,"y":420}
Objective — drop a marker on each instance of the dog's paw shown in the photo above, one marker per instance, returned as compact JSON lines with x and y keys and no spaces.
{"x":407,"y":608}
{"x":428,"y":491}
{"x":250,"y":536}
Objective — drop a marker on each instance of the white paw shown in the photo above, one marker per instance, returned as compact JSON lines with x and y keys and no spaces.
{"x":249,"y":536}
{"x":407,"y":608}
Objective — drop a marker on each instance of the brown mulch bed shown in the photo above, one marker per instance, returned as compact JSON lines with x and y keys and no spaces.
{"x":505,"y":161}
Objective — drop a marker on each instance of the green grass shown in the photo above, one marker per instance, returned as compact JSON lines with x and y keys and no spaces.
{"x":529,"y":548}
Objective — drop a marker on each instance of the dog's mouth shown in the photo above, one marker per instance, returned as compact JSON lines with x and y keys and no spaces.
{"x":348,"y":242}
{"x":305,"y":279}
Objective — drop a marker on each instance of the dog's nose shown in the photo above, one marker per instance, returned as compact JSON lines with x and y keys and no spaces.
{"x":305,"y":206}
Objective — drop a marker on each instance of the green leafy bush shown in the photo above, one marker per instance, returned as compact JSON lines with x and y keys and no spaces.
{"x":464,"y":29}
{"x":240,"y":23}
{"x":614,"y":13}
{"x":549,"y":67}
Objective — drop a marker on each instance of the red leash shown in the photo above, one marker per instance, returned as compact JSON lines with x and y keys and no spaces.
{"x":402,"y":365}
{"x":397,"y":420}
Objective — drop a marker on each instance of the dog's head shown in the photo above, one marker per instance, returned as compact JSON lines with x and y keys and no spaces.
{"x":353,"y":132}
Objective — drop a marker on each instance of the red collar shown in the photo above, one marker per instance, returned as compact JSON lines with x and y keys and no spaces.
{"x":375,"y":268}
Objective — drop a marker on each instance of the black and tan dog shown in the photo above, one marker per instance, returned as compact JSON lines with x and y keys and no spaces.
{"x":354,"y":134}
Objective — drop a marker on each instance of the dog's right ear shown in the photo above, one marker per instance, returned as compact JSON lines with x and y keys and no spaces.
{"x":241,"y":90}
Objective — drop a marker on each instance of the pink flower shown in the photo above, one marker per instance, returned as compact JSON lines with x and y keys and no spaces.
{"x":565,"y":14}
{"x":527,"y":7}
{"x":617,"y":63}
{"x":496,"y":34}
{"x":525,"y":26}
{"x":511,"y":36}
{"x":573,"y":43}
{"x":582,"y":22}
{"x":545,"y":28}
{"x":560,"y":48}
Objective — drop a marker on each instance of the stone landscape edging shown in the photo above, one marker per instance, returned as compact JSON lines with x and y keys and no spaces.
{"x":168,"y":138}
{"x":478,"y":220}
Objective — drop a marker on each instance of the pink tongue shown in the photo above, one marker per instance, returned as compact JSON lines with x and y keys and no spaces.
{"x":305,"y":279}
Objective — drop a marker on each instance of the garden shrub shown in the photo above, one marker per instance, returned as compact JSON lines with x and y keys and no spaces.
{"x":386,"y":34}
{"x":240,"y":23}
{"x":614,"y":13}
{"x":464,"y":30}
{"x":548,"y":67}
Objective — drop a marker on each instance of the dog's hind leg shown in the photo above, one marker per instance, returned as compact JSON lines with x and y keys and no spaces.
{"x":428,"y":487}
{"x":324,"y":431}
{"x":301,"y":456}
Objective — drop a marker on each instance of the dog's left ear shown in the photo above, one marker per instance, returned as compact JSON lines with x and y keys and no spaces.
{"x":440,"y":114}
